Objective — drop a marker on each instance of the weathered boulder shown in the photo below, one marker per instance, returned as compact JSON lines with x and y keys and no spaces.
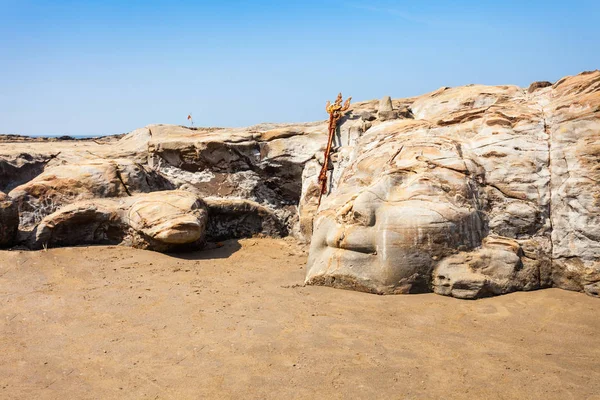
{"x":96,"y":221}
{"x":132,"y":146}
{"x":593,"y":289}
{"x":68,"y":183}
{"x":386,"y":110}
{"x":161,"y":221}
{"x":9,"y":221}
{"x":261,"y":164}
{"x":493,"y":269}
{"x":167,"y":220}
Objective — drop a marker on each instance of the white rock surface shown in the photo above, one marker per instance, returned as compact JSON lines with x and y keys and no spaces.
{"x":476,"y":162}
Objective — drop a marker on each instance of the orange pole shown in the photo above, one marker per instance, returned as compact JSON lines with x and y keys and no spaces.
{"x":324,"y":168}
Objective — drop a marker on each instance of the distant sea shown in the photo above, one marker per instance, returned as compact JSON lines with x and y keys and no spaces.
{"x":53,"y":135}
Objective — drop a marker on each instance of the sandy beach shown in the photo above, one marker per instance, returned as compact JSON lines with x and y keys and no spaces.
{"x":299,"y":200}
{"x":236,"y":322}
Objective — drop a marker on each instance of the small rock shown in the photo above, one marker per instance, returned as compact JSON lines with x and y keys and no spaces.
{"x":538,"y":85}
{"x":385,"y":104}
{"x":386,"y":110}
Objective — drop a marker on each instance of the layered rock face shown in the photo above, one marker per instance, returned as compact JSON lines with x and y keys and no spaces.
{"x":572,"y":115}
{"x":64,"y":184}
{"x":468,"y":192}
{"x":262,"y":164}
{"x":162,"y":221}
{"x":479,"y":191}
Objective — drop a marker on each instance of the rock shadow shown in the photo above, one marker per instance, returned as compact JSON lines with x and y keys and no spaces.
{"x":212,"y":250}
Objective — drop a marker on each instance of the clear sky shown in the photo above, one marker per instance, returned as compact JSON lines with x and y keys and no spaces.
{"x":105,"y":67}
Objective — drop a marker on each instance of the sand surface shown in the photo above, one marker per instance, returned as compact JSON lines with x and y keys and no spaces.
{"x":235,"y":322}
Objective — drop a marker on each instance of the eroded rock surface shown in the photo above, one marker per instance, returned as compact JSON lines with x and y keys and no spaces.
{"x":64,"y":184}
{"x":421,"y":200}
{"x":412,"y":202}
{"x":572,"y":115}
{"x":16,"y":169}
{"x":497,"y":267}
{"x":263,"y":164}
{"x":162,"y":221}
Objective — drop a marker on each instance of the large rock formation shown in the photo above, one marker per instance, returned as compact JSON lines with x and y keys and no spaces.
{"x":483,"y":190}
{"x":467,"y":191}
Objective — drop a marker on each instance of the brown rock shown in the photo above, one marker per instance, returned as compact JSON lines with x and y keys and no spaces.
{"x":161,"y":221}
{"x":495,"y":268}
{"x":538,"y":85}
{"x":9,"y":221}
{"x":68,"y":183}
{"x":386,"y":111}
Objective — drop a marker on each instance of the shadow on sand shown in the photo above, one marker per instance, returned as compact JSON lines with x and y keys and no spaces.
{"x":211,"y":250}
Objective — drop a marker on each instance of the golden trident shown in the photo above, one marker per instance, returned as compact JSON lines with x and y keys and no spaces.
{"x":335,"y":112}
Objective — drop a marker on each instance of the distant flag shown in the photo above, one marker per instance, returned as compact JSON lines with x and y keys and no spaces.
{"x":190,"y":119}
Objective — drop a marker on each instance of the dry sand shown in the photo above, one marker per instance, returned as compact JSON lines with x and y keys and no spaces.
{"x":235,"y":322}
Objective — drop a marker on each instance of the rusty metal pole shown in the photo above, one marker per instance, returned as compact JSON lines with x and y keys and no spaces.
{"x":335,"y":112}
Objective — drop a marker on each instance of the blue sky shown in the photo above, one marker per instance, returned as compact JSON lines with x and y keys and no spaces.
{"x":105,"y":67}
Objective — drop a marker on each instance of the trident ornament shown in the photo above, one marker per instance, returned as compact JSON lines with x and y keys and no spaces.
{"x":335,"y":111}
